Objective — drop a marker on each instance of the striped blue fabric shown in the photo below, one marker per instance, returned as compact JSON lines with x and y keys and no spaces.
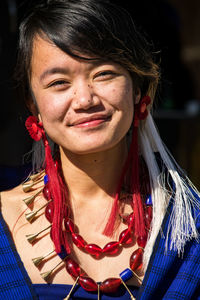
{"x":167,"y":277}
{"x":14,"y":280}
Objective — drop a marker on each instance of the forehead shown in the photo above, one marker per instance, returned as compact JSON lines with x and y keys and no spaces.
{"x":46,"y":52}
{"x":43,"y":51}
{"x":48,"y":59}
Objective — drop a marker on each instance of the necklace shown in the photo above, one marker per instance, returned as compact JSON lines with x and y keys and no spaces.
{"x":109,"y":285}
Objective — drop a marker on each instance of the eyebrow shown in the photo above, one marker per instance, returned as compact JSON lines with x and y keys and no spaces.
{"x":65,"y":71}
{"x":52,"y":71}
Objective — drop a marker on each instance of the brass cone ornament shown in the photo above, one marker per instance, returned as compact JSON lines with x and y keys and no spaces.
{"x":31,"y":215}
{"x":35,"y":177}
{"x":28,"y":185}
{"x":37,"y":260}
{"x":47,"y":274}
{"x":30,"y":199}
{"x":32,"y":237}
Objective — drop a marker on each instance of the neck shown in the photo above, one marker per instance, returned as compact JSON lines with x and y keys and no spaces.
{"x":94,"y":175}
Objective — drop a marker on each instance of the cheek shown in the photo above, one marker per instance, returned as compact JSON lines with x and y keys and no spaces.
{"x":51,"y":108}
{"x":123,"y":97}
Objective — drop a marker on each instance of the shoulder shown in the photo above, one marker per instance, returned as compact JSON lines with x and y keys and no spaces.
{"x":12,"y":203}
{"x":11,"y":197}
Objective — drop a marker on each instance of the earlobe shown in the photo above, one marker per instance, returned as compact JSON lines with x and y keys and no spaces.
{"x":39,"y":117}
{"x":32,"y":106}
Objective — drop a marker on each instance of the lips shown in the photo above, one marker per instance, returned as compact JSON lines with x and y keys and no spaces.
{"x":93,"y":120}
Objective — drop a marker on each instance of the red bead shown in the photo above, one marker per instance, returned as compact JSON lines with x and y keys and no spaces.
{"x":78,"y":240}
{"x":111,"y":248}
{"x":69,"y":225}
{"x":93,"y":250}
{"x":46,"y":192}
{"x":125,"y":237}
{"x":142,"y":240}
{"x":88,"y":284}
{"x":136,"y":259}
{"x":131,"y":220}
{"x":72,"y":267}
{"x":110,"y":285}
{"x":49,"y":212}
{"x":148,"y":216}
{"x":56,"y":165}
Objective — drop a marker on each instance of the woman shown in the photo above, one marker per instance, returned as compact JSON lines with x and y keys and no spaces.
{"x":89,"y":81}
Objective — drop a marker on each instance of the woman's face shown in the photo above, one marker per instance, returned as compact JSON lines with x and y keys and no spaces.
{"x":85,"y":106}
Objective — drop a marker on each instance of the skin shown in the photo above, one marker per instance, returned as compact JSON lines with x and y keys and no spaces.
{"x":89,"y":102}
{"x":87,"y":109}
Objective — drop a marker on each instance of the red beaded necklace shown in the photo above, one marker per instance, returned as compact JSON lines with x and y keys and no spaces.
{"x":110,"y":285}
{"x":111,"y":248}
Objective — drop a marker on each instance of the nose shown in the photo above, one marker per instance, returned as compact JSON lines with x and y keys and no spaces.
{"x":84,"y":97}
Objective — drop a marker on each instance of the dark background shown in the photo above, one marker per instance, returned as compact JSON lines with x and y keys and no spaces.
{"x":174,"y":28}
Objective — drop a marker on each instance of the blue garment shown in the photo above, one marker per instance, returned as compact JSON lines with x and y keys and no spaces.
{"x":167,"y":277}
{"x":14,"y":280}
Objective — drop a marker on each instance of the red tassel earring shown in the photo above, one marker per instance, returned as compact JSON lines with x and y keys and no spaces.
{"x":37,"y":133}
{"x":140,"y":113}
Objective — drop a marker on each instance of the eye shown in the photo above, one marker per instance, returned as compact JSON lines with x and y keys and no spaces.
{"x":106,"y":74}
{"x":59,"y":84}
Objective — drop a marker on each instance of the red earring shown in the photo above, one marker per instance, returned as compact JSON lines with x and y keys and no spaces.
{"x":34,"y":128}
{"x":141,"y":111}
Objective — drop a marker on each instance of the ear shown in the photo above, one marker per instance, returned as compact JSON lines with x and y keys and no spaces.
{"x":137,"y":96}
{"x":32,"y":104}
{"x":33,"y":108}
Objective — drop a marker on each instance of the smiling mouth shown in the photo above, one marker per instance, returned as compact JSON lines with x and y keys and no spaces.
{"x":90,"y":122}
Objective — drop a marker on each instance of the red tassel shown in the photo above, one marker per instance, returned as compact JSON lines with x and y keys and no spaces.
{"x":51,"y":171}
{"x":137,"y":201}
{"x":140,"y":114}
{"x":37,"y":132}
{"x":58,"y":195}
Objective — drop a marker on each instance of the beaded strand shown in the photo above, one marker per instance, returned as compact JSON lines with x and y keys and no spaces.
{"x":109,"y":285}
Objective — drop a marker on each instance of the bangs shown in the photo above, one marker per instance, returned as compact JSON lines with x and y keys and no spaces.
{"x":85,"y":30}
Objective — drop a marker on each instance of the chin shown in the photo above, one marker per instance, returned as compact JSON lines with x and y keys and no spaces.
{"x":88,"y":150}
{"x":99,"y":146}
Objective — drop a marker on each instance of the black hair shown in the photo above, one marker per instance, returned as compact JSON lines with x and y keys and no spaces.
{"x":85,"y":28}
